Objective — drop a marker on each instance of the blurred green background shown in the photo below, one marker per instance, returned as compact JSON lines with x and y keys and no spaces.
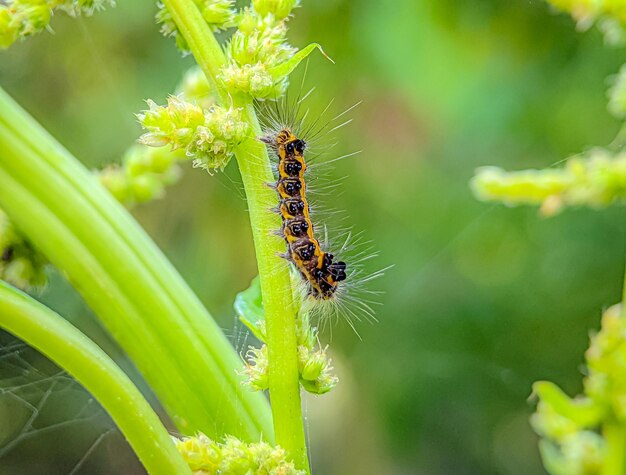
{"x":482,"y":301}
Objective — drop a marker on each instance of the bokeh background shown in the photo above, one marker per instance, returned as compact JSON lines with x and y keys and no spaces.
{"x":482,"y":300}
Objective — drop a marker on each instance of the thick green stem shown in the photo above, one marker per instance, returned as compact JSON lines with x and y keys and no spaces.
{"x":280,"y":319}
{"x":615,"y":435}
{"x":129,"y":284}
{"x":56,"y":338}
{"x":256,"y":173}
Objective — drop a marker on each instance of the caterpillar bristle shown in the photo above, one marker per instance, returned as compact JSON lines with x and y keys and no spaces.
{"x":332,"y":282}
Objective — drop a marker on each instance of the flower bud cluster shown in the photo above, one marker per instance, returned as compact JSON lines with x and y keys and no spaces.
{"x":22,"y":18}
{"x":597,"y":180}
{"x":314,"y":364}
{"x":234,"y":457}
{"x":218,"y":14}
{"x":281,"y":9}
{"x":207,"y":136}
{"x":258,"y":47}
{"x":574,"y":431}
{"x":143,"y":174}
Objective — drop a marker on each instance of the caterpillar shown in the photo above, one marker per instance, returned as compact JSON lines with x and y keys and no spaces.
{"x":329,"y":287}
{"x":318,"y":268}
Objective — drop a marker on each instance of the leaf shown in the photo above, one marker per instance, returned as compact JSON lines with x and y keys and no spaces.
{"x":288,"y":66}
{"x":249,"y":307}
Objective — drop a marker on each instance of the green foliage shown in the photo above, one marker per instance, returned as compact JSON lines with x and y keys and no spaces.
{"x":482,"y":301}
{"x":584,"y":436}
{"x":56,"y":338}
{"x":579,"y":435}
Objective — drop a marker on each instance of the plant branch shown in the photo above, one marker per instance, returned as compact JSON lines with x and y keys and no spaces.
{"x":256,"y":173}
{"x":138,"y":295}
{"x":56,"y":338}
{"x":614,"y":433}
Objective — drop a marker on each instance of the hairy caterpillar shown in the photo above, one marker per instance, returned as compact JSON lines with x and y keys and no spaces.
{"x":331,"y":285}
{"x":316,"y":266}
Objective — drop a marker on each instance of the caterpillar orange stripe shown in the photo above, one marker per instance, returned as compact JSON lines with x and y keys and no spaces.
{"x":317,"y":267}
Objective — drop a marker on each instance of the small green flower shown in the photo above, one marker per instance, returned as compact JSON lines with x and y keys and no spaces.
{"x":279,"y":8}
{"x":259,"y":45}
{"x":581,"y":453}
{"x":9,"y":31}
{"x":208,"y":137}
{"x":316,"y":370}
{"x":234,"y":457}
{"x":174,"y":124}
{"x":256,"y":369}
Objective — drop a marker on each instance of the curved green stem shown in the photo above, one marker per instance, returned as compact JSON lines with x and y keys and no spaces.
{"x":256,"y":173}
{"x":138,"y":295}
{"x":56,"y":338}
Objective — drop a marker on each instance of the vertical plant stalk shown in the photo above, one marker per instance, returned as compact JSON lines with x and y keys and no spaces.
{"x":256,"y":173}
{"x":57,"y":339}
{"x":614,"y":433}
{"x":126,"y":280}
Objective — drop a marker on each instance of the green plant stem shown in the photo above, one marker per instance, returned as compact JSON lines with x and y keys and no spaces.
{"x":614,"y":433}
{"x":56,"y":338}
{"x":280,"y":321}
{"x":134,"y":290}
{"x":201,"y":41}
{"x":256,"y":173}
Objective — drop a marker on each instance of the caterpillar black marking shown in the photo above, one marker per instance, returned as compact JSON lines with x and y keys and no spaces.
{"x":317,"y":267}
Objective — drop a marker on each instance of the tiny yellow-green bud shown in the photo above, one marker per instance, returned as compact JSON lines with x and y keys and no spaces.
{"x":195,"y":87}
{"x":208,"y":137}
{"x":256,"y":370}
{"x":219,"y":14}
{"x":315,"y":370}
{"x":146,"y":187}
{"x":8,"y":30}
{"x":173,"y":124}
{"x":279,"y":8}
{"x":114,"y":179}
